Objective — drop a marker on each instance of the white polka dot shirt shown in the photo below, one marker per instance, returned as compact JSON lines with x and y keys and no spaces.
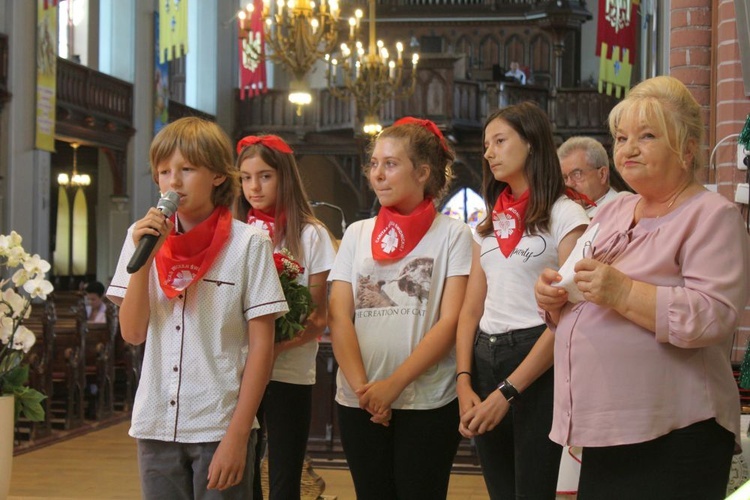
{"x":196,"y":343}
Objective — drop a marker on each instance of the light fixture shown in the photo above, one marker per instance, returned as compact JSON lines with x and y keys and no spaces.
{"x":372,"y":77}
{"x":74,"y":179}
{"x":299,"y":33}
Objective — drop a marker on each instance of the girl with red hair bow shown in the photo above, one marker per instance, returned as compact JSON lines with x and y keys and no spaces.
{"x":396,"y":289}
{"x":274,"y":200}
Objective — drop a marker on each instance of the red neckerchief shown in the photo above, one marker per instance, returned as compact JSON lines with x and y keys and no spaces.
{"x":395,"y":235}
{"x":185,"y":258}
{"x":508,"y":219}
{"x":580,"y":198}
{"x":262,"y":221}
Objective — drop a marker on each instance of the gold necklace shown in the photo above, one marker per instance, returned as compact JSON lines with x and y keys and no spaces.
{"x":674,"y":199}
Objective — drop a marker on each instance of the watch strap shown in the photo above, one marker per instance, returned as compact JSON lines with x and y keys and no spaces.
{"x":508,"y":390}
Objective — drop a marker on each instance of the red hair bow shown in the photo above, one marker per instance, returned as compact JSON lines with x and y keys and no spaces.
{"x":270,"y":141}
{"x":428,"y":124}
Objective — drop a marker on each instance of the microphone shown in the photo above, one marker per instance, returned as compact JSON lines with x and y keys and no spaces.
{"x":168,"y":206}
{"x":315,"y":204}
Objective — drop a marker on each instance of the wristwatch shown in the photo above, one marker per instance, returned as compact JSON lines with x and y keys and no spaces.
{"x":509,"y":392}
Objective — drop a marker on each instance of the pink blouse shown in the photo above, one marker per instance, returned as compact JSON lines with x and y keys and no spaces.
{"x":617,"y":383}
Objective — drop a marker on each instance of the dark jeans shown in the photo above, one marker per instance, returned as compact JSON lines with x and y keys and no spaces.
{"x":284,"y":413}
{"x":180,"y":471}
{"x":409,"y":460}
{"x":518,"y":458}
{"x":688,"y":463}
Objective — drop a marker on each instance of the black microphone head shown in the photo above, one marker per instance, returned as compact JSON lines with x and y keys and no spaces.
{"x":168,"y":203}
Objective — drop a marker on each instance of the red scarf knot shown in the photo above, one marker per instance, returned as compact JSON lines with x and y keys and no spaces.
{"x":395,"y":236}
{"x":580,"y":198}
{"x":262,"y":221}
{"x":508,"y":218}
{"x":185,"y":258}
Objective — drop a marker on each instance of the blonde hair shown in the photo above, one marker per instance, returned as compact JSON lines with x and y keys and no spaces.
{"x":667,"y":105}
{"x":203,"y":144}
{"x":291,"y":198}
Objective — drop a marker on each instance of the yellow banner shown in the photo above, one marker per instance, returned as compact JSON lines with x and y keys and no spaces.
{"x":46,"y":74}
{"x":615,"y":73}
{"x":173,"y":33}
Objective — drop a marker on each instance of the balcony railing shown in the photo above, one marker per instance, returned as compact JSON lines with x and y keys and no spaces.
{"x":572,"y":111}
{"x":272,"y":112}
{"x":96,"y":93}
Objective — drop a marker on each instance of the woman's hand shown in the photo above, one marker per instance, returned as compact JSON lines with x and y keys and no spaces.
{"x":467,"y":399}
{"x":377,"y":397}
{"x":602,"y":284}
{"x":485,"y":416}
{"x":550,"y":298}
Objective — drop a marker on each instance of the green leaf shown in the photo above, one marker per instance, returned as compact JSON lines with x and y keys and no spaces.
{"x":16,"y":377}
{"x":29,"y":403}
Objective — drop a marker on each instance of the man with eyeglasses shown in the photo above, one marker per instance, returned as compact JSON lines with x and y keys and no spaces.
{"x":585,"y":168}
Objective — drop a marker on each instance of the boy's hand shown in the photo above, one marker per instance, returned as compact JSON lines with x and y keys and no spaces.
{"x":153,"y":223}
{"x":228,"y":463}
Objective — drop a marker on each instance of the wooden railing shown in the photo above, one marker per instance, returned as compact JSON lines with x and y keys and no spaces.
{"x":272,"y":112}
{"x":94,"y":92}
{"x":581,"y":111}
{"x":494,"y":4}
{"x":572,"y":111}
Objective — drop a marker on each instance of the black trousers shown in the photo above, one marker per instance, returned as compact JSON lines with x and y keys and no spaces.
{"x":284,"y":414}
{"x":409,"y":460}
{"x":688,"y":463}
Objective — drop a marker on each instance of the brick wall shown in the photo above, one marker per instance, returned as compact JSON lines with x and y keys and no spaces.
{"x":704,"y":54}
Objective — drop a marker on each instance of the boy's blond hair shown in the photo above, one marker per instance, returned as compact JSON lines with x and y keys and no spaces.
{"x":203,"y":144}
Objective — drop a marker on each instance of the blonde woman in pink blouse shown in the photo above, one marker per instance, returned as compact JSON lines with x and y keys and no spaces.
{"x":643,"y":380}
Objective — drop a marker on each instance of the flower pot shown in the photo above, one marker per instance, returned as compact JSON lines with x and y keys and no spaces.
{"x":6,"y":443}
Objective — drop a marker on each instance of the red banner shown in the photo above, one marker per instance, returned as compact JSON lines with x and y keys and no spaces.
{"x":618,"y":20}
{"x":252,"y":50}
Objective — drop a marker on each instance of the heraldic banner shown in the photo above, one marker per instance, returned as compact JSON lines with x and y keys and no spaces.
{"x":615,"y":44}
{"x":252,"y":50}
{"x":46,"y":74}
{"x":173,"y":32}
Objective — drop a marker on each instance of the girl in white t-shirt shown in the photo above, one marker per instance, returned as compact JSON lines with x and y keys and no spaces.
{"x":396,"y":290}
{"x":275,"y":201}
{"x":503,"y":348}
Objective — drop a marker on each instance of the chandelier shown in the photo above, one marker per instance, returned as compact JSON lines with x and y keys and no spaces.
{"x":372,"y":77}
{"x":299,"y":33}
{"x":75,"y":179}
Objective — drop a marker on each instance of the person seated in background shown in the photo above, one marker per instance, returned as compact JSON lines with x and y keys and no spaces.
{"x":516,"y":72}
{"x":585,"y":168}
{"x":96,"y":309}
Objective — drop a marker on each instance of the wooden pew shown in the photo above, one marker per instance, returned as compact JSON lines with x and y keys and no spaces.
{"x":41,"y":321}
{"x":100,"y":363}
{"x":68,"y":369}
{"x":128,"y":361}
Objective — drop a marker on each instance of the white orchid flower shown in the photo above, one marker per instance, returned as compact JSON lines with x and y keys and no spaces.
{"x":24,"y":339}
{"x":12,"y":303}
{"x":7,"y":242}
{"x":6,"y":329}
{"x":38,"y":288}
{"x":20,"y":277}
{"x":35,"y":265}
{"x":16,"y":255}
